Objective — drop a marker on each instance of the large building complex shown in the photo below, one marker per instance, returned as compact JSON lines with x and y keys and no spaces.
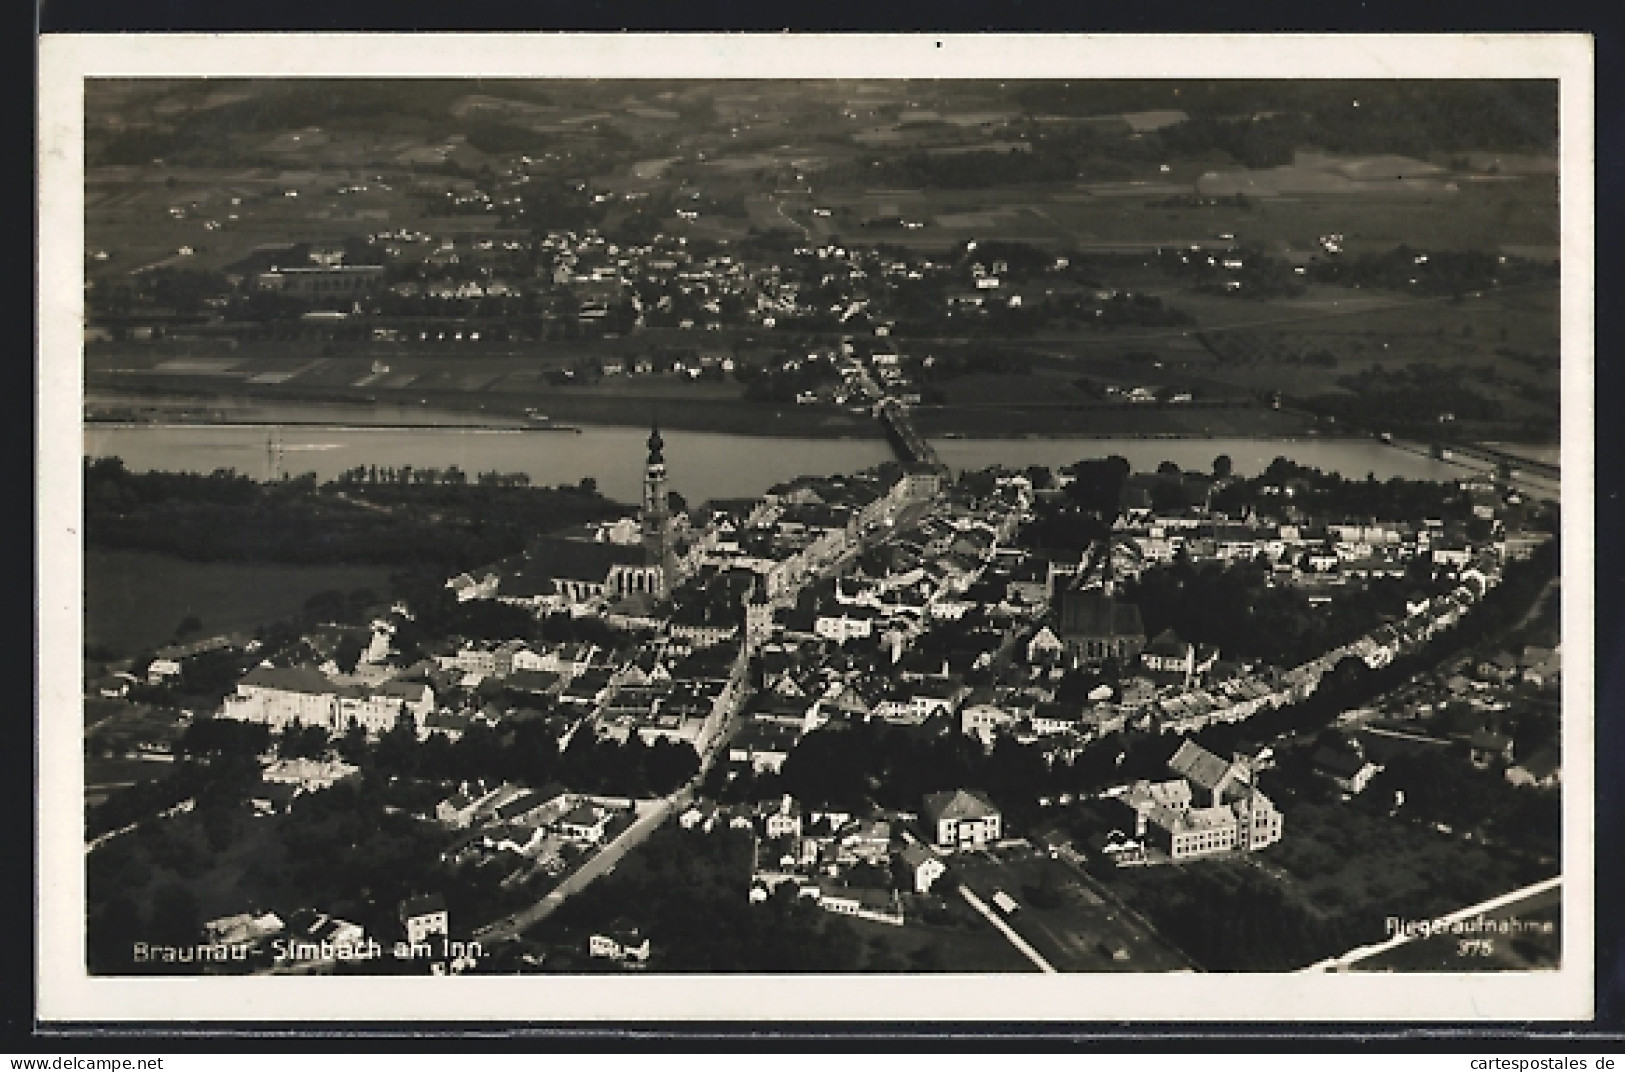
{"x":1213,"y":806}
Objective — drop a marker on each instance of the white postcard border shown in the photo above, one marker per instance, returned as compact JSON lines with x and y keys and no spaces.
{"x":66,"y":993}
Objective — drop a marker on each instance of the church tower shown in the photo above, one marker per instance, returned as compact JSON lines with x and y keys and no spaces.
{"x":758,"y":615}
{"x":656,"y":515}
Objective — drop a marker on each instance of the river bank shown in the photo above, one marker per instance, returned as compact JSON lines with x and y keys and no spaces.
{"x":703,"y":465}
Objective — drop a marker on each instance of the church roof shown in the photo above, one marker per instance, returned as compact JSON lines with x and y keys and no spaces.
{"x":580,"y":560}
{"x":1095,"y":614}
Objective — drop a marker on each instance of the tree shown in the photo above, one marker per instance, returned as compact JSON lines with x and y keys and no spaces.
{"x":1097,"y":484}
{"x":1168,"y":469}
{"x":1167,"y":497}
{"x":112,"y":928}
{"x":1222,"y":466}
{"x":348,"y":653}
{"x":175,"y":918}
{"x":589,"y":485}
{"x":352,"y":747}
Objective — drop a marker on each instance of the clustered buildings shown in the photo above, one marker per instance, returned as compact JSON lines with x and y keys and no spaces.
{"x":749,"y":625}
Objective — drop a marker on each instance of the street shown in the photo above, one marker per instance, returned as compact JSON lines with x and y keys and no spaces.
{"x":602,"y":863}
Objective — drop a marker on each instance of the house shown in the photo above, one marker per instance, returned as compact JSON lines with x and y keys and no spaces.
{"x":1346,"y":765}
{"x":534,"y":805}
{"x":1167,"y":654}
{"x":1048,"y":719}
{"x":844,"y":624}
{"x":921,"y":867}
{"x":423,"y":917}
{"x":281,"y":696}
{"x":337,"y":932}
{"x":984,"y":720}
{"x":243,"y":928}
{"x":584,"y":823}
{"x":619,"y":941}
{"x":877,"y":905}
{"x":284,"y":696}
{"x":409,"y":697}
{"x":781,"y":818}
{"x":1487,"y":748}
{"x":461,"y":808}
{"x":764,"y":745}
{"x":868,"y":840}
{"x":521,"y":839}
{"x":161,"y":670}
{"x":308,"y":775}
{"x":273,"y":798}
{"x":702,"y":815}
{"x":1541,"y":667}
{"x":534,"y":682}
{"x":448,"y":724}
{"x":924,"y":700}
{"x":961,"y":818}
{"x":1045,"y":648}
{"x":1541,"y":770}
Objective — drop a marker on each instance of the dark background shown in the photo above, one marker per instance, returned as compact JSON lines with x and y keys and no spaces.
{"x":23,"y":1034}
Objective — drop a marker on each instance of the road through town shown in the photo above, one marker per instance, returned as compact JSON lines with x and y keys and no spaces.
{"x":514,"y":925}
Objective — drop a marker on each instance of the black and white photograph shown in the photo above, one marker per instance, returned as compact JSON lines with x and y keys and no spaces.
{"x":889,"y":527}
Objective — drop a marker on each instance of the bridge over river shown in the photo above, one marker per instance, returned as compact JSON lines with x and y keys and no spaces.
{"x":911,"y":447}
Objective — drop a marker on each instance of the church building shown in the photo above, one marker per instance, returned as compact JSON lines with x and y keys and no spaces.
{"x":608,"y":562}
{"x":1093,"y":624}
{"x":655,"y":519}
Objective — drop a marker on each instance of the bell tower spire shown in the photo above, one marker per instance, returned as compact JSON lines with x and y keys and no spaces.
{"x":656,"y":444}
{"x":656,"y":515}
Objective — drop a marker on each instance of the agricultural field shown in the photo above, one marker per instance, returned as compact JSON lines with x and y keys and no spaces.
{"x":210,"y":178}
{"x":1104,"y":421}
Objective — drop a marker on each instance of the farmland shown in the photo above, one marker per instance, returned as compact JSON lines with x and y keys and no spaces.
{"x":505,"y":186}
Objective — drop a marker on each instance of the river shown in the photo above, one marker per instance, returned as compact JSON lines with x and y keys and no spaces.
{"x":702,"y":465}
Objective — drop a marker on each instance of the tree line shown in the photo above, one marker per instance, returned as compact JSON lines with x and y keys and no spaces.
{"x":438,"y":528}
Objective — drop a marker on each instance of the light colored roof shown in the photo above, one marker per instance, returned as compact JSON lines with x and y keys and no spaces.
{"x":1542,"y":764}
{"x":1171,"y":795}
{"x":1205,"y":819}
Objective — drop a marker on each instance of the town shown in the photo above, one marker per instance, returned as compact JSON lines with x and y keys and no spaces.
{"x":737,"y":668}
